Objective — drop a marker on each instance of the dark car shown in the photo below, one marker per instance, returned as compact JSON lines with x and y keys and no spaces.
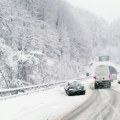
{"x":74,"y":87}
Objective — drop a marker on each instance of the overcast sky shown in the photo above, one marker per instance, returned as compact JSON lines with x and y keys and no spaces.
{"x":108,"y":9}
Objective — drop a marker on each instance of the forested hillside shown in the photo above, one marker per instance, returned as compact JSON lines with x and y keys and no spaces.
{"x":48,"y":40}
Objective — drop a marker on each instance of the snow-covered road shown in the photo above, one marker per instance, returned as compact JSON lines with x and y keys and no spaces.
{"x":54,"y":104}
{"x":103,"y":105}
{"x":50,"y":104}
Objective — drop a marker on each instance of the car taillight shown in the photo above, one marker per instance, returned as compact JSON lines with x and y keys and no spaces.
{"x":94,"y":77}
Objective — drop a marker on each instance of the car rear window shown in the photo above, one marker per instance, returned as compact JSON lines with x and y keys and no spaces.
{"x":74,"y":83}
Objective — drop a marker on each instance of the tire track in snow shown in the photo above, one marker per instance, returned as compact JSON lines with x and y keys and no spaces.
{"x":100,"y":106}
{"x":80,"y":109}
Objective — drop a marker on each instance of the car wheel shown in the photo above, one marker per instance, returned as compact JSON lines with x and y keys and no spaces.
{"x":83,"y":93}
{"x":68,"y":93}
{"x":96,"y":86}
{"x":109,"y":86}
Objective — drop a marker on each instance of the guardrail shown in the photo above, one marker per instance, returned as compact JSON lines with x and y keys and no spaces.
{"x":24,"y":90}
{"x":14,"y":92}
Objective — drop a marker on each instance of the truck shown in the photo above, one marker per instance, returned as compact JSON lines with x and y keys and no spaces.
{"x":102,"y":77}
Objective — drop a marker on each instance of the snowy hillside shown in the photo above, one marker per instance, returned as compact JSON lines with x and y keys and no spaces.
{"x":47,"y":40}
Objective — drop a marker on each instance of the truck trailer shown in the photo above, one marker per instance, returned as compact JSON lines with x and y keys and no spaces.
{"x":102,"y":77}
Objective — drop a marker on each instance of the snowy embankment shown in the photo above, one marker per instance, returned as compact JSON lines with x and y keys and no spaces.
{"x":15,"y":92}
{"x":115,"y":86}
{"x":51,"y":104}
